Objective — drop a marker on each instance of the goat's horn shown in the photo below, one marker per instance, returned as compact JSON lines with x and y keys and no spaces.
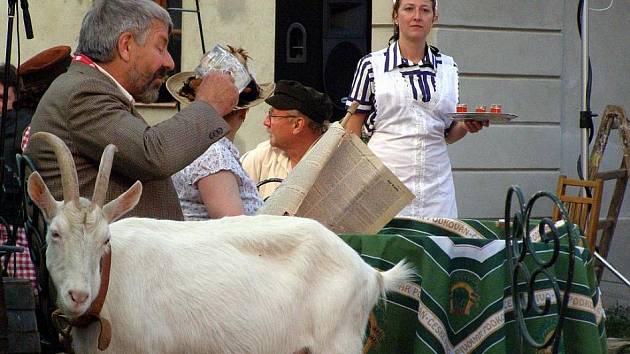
{"x":102,"y":179}
{"x":69,"y":179}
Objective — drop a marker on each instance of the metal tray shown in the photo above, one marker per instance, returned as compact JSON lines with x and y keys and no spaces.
{"x":481,"y":116}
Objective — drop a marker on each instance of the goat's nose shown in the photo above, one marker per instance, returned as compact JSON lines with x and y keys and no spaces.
{"x":77,"y":296}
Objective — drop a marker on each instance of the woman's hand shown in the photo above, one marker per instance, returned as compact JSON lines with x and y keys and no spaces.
{"x":459,"y":129}
{"x":473,"y":126}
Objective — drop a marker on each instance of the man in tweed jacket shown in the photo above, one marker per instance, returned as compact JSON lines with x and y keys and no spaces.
{"x":122,"y":57}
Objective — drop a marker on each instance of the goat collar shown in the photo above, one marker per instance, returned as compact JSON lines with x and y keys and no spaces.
{"x":93,"y":313}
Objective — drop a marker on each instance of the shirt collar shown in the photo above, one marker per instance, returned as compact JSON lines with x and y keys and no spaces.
{"x":394,"y":59}
{"x":122,"y":89}
{"x":88,"y":61}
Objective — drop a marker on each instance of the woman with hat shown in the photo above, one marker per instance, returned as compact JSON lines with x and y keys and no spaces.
{"x":215,"y":184}
{"x":405,"y":92}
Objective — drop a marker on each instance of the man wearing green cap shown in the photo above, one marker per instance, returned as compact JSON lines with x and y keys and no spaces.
{"x":298,"y":116}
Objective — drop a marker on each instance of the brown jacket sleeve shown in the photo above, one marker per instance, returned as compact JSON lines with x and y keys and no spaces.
{"x":144,"y":152}
{"x":96,"y":114}
{"x":88,"y":111}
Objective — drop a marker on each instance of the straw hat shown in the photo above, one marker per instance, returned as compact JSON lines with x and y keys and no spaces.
{"x":176,"y":83}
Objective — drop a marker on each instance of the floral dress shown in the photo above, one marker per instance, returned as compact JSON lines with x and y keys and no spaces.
{"x":220,"y":156}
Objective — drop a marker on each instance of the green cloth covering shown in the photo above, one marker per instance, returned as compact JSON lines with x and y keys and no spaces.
{"x":461,"y":300}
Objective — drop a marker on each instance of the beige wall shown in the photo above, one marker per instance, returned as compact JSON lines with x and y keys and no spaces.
{"x":54,"y":23}
{"x":381,"y":23}
{"x":245,"y":23}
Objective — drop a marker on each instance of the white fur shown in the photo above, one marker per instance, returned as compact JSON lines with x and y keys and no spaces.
{"x":239,"y":285}
{"x":263,"y":284}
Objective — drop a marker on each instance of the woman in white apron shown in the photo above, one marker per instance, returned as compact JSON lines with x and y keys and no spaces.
{"x":404,"y":92}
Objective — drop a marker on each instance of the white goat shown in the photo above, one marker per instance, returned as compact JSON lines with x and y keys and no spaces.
{"x":241,"y":285}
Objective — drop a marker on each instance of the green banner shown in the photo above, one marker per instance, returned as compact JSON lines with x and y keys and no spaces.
{"x":461,"y":301}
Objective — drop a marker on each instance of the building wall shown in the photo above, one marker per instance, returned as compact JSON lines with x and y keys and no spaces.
{"x":245,"y":23}
{"x":54,"y":23}
{"x":609,"y":52}
{"x":524,"y":55}
{"x":512,"y":57}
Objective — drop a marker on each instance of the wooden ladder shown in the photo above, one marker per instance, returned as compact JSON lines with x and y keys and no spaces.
{"x":167,"y":4}
{"x":613,"y":118}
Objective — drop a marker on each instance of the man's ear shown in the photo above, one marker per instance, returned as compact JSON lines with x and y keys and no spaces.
{"x":125,"y":42}
{"x":298,"y":125}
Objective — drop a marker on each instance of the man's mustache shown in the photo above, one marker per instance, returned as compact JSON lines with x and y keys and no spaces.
{"x":162,"y":73}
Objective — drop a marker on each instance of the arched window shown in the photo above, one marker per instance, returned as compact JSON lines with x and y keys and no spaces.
{"x":296,"y":43}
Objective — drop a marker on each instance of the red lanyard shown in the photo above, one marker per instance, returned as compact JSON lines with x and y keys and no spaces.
{"x":84,"y":59}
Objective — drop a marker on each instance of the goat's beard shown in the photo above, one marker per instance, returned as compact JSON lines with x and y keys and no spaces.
{"x":143,"y":89}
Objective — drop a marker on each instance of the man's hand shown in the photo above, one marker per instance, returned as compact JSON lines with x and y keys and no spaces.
{"x":217,"y":89}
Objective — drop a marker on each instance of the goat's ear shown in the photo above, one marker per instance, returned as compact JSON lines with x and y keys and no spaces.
{"x":124,"y":203}
{"x":41,"y":196}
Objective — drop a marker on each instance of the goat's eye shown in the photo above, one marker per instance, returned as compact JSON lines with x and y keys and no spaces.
{"x":55,"y":235}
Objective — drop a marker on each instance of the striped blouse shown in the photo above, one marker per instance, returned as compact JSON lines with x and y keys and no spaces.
{"x":421,"y":78}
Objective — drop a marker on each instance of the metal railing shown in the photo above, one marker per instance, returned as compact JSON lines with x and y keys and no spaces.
{"x":524,"y":275}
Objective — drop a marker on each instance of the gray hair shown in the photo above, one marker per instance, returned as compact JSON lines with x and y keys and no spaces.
{"x":108,"y":19}
{"x":316,"y":127}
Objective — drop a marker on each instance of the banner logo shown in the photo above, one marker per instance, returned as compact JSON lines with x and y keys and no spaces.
{"x":463,"y":295}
